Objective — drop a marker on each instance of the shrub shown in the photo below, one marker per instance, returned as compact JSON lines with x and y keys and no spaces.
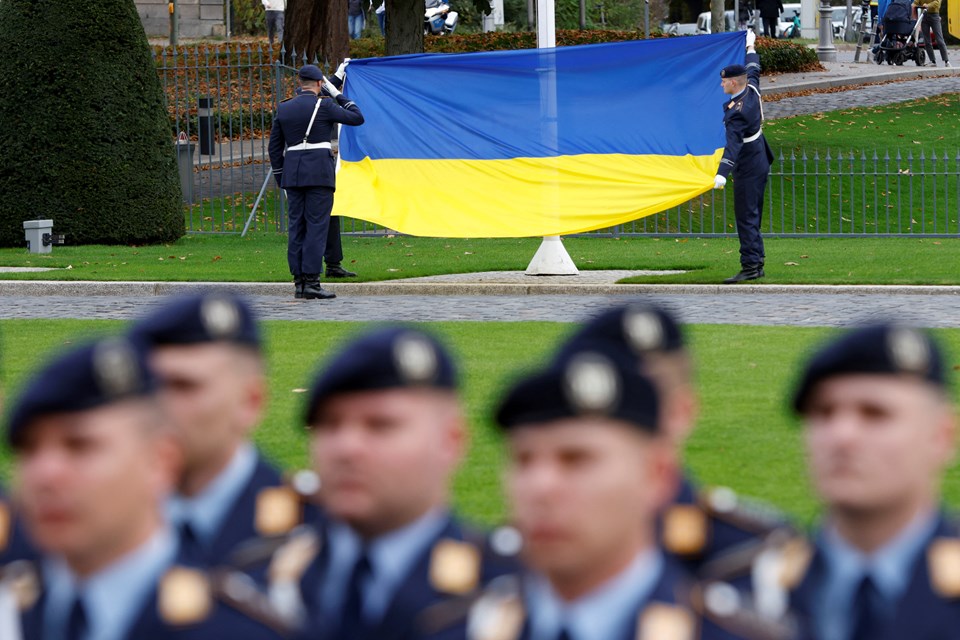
{"x":86,"y":137}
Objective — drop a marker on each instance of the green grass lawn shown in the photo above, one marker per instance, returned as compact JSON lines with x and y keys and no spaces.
{"x":262,"y":258}
{"x":745,"y":439}
{"x":928,"y":124}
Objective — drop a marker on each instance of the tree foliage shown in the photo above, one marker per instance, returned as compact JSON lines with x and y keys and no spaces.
{"x":85,"y":138}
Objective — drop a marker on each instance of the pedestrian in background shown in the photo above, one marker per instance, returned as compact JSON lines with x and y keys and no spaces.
{"x":275,"y":9}
{"x":770,"y":11}
{"x":356,"y":18}
{"x":930,"y":23}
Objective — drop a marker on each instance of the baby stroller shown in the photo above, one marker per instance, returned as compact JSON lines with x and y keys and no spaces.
{"x":900,"y":36}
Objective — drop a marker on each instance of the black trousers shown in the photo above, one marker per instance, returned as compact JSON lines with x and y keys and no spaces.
{"x":770,"y":27}
{"x":748,"y":208}
{"x":309,"y":214}
{"x":333,"y":254}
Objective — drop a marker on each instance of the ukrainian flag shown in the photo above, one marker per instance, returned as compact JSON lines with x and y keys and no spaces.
{"x":534,"y":142}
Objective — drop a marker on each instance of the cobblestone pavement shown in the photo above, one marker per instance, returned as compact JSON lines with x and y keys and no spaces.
{"x":866,"y":96}
{"x":743,"y":309}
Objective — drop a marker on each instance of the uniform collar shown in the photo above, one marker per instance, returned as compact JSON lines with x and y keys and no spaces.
{"x":207,"y":510}
{"x":604,"y":613}
{"x":392,"y":558}
{"x":114,"y":596}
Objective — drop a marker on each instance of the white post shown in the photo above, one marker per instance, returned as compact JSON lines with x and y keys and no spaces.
{"x":551,"y":259}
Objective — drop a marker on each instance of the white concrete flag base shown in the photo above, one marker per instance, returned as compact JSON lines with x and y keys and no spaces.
{"x":552,"y":259}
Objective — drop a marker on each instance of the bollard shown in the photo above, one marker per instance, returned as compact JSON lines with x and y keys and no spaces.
{"x":205,"y":119}
{"x":34,"y":232}
{"x":185,"y":166}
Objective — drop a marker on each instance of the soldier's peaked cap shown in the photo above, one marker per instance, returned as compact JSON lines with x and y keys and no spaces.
{"x":733,"y":71}
{"x":877,"y":349}
{"x":590,"y":379}
{"x":387,"y":358}
{"x":644,"y":329}
{"x":198,"y":318}
{"x":90,"y":376}
{"x":310,"y":72}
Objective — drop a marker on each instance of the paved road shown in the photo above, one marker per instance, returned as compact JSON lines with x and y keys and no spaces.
{"x":866,"y":96}
{"x":745,"y":309}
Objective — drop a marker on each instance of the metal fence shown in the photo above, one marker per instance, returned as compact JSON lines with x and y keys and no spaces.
{"x":223,"y":98}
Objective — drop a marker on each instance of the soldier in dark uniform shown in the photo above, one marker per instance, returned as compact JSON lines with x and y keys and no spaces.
{"x":701,"y":526}
{"x":880,"y":431}
{"x":302,"y":160}
{"x":206,"y":351}
{"x":94,"y":460}
{"x":387,"y":433}
{"x":587,"y":476}
{"x":746,"y":156}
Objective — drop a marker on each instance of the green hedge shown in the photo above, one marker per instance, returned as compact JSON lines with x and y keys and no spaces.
{"x":85,"y":138}
{"x":778,"y":56}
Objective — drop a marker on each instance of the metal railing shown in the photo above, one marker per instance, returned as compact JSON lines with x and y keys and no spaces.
{"x":832,"y":193}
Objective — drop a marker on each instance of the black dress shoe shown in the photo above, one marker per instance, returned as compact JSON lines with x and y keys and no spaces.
{"x":748,"y":272}
{"x":339,"y":272}
{"x":313,"y":291}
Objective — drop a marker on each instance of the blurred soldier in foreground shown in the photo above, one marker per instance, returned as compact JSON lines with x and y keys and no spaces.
{"x":880,"y":430}
{"x":94,"y":461}
{"x":699,"y":526}
{"x":588,"y":476}
{"x":206,"y":351}
{"x":387,"y":433}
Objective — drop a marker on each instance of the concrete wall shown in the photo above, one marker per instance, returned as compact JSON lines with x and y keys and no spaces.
{"x":198,"y":18}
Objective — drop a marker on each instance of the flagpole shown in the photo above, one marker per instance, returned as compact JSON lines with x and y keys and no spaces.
{"x":551,"y":259}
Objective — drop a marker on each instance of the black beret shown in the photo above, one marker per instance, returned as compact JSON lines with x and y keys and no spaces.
{"x":310,"y":72}
{"x":878,"y":349}
{"x":590,"y":379}
{"x":642,"y":329}
{"x":733,"y":71}
{"x":87,"y":377}
{"x":387,"y":358}
{"x":198,"y":318}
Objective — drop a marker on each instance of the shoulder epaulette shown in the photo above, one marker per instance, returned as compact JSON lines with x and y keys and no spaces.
{"x":666,"y":621}
{"x":724,"y":504}
{"x":6,"y":524}
{"x":21,"y":578}
{"x":943,"y":564}
{"x":686,"y":529}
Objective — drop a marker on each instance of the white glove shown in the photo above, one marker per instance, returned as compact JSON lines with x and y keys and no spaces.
{"x":751,"y":38}
{"x":719,"y":182}
{"x":342,"y":69}
{"x":332,"y":90}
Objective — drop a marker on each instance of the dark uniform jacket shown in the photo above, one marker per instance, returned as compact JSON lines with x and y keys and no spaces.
{"x":311,"y":167}
{"x":743,"y":118}
{"x":266,"y":507}
{"x":770,"y":8}
{"x":930,"y":607}
{"x":672,"y":611}
{"x":703,"y":529}
{"x":189,"y":603}
{"x":423,"y":605}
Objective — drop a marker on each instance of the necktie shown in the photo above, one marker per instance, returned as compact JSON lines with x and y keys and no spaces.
{"x":77,"y":622}
{"x":352,"y":623}
{"x":190,"y":542}
{"x":564,"y":635}
{"x":866,"y":611}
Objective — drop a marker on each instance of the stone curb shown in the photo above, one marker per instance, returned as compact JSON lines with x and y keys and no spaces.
{"x":772,"y":89}
{"x":146,"y":289}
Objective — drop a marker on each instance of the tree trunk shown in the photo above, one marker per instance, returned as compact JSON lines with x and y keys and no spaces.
{"x":316,"y":29}
{"x":717,"y":18}
{"x":404,"y":27}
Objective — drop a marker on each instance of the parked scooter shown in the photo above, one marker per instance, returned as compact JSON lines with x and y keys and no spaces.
{"x":439,"y":19}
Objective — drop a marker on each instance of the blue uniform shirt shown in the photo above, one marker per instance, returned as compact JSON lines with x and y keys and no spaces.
{"x":889,"y":568}
{"x":114,"y":597}
{"x":608,"y":612}
{"x":207,"y":511}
